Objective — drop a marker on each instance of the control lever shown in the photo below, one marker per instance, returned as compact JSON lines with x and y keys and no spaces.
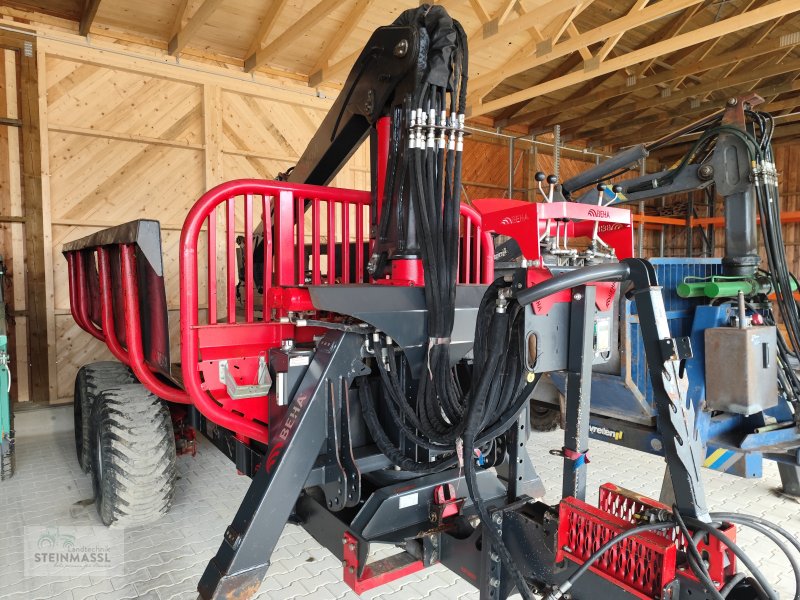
{"x":551,"y":180}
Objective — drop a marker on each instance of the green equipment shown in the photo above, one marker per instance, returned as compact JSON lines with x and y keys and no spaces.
{"x":6,"y":418}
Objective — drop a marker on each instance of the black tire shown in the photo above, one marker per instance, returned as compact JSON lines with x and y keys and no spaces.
{"x":89,"y":382}
{"x":133,"y":456}
{"x":544,"y":418}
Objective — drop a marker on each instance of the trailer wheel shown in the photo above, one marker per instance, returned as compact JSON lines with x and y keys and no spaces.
{"x":89,"y":382}
{"x":133,"y":456}
{"x":544,"y":418}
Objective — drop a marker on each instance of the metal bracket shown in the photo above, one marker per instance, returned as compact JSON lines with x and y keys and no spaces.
{"x":676,"y":348}
{"x":240,"y":392}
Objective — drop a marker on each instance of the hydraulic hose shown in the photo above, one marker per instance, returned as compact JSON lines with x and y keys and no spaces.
{"x":571,"y":279}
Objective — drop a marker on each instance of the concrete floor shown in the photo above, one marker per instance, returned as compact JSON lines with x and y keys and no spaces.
{"x":165,"y":560}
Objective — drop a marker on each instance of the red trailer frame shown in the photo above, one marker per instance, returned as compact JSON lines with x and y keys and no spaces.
{"x":104,"y":294}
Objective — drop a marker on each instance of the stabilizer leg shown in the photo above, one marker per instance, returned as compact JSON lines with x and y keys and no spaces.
{"x":243,"y":557}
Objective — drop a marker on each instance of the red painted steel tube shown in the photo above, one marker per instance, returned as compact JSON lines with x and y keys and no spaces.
{"x":107,"y":307}
{"x":331,"y":243}
{"x":359,"y":278}
{"x":248,"y":258}
{"x":73,"y":290}
{"x":300,"y":244}
{"x":467,"y":255}
{"x":211,"y":283}
{"x":285,"y":239}
{"x":82,"y":294}
{"x":230,"y":224}
{"x":484,"y":242}
{"x":345,"y":242}
{"x":266,"y":231}
{"x":316,"y":269}
{"x":190,"y":351}
{"x":133,"y":332}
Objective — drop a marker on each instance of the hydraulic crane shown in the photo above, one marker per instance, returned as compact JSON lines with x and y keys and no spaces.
{"x":378,"y":392}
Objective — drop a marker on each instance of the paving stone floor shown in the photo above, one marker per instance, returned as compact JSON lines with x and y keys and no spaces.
{"x":164,"y":561}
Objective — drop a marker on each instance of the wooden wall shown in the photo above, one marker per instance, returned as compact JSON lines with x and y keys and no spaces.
{"x":485,"y":170}
{"x":124,"y":139}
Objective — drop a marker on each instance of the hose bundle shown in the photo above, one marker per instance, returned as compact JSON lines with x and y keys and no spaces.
{"x":424,"y":170}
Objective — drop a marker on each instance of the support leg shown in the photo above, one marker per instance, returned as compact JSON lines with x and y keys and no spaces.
{"x":683,"y":449}
{"x":243,"y":558}
{"x":578,"y":391}
{"x":790,"y":478}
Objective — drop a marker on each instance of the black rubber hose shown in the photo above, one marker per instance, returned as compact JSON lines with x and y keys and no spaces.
{"x":571,"y":279}
{"x":780,"y":544}
{"x":740,"y":554}
{"x":695,"y":559}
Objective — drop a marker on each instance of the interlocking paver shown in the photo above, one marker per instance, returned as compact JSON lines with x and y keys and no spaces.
{"x":164,"y":561}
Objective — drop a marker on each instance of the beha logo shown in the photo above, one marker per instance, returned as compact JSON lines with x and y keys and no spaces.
{"x":514,"y":219}
{"x":596,"y":212}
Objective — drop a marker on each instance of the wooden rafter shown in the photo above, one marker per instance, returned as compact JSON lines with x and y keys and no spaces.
{"x":571,"y":62}
{"x":542,"y":41}
{"x":333,"y":45}
{"x":598,"y":34}
{"x":301,"y":26}
{"x":587,"y":99}
{"x":609,"y":44}
{"x":573,"y":32}
{"x":754,"y":40}
{"x":184,"y":33}
{"x":705,"y":49}
{"x":480,"y":10}
{"x":492,"y":31}
{"x":505,"y":11}
{"x":672,"y":29}
{"x":715,"y":30}
{"x":88,"y":15}
{"x":649,"y":124}
{"x":267,"y":25}
{"x":694,"y":91}
{"x":578,"y":126}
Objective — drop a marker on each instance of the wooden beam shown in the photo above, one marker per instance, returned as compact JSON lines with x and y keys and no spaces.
{"x":623,"y":110}
{"x":186,"y":32}
{"x":303,"y":25}
{"x":267,"y":25}
{"x":706,"y":48}
{"x":493,"y":31}
{"x":541,"y":41}
{"x":644,"y":83}
{"x":573,"y":32}
{"x":88,"y":15}
{"x":351,"y":21}
{"x":567,"y":65}
{"x":720,"y":28}
{"x":181,"y":18}
{"x":614,"y":39}
{"x":598,"y":34}
{"x":332,"y":71}
{"x":689,"y":114}
{"x":672,"y":29}
{"x":505,"y":11}
{"x":36,"y":207}
{"x":480,"y":10}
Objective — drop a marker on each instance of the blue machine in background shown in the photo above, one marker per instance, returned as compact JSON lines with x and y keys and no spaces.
{"x":622,"y":397}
